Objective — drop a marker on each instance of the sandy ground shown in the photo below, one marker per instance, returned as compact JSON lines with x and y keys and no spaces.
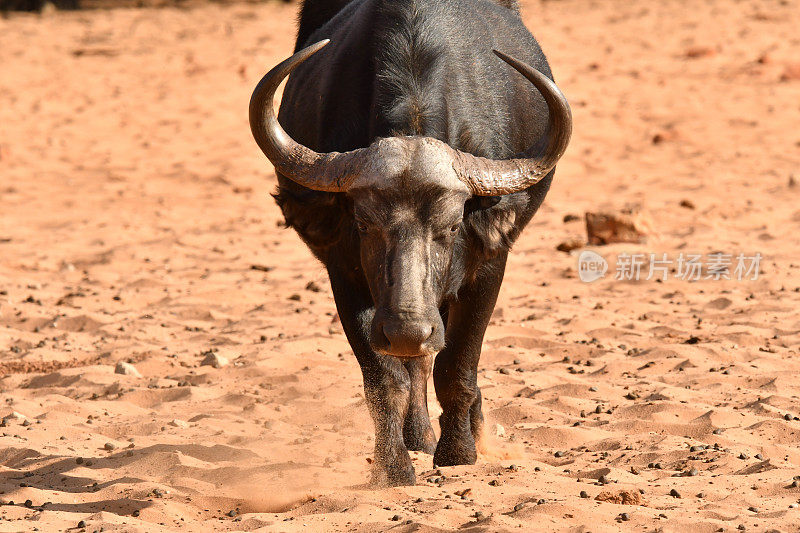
{"x":136,"y":225}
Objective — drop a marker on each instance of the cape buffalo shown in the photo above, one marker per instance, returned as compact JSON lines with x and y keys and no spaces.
{"x":411,"y":152}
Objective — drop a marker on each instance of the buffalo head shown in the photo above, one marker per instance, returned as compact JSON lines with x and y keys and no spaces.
{"x":408,"y":198}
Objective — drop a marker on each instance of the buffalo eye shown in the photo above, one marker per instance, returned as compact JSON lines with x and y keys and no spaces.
{"x":362,"y":227}
{"x":449,"y":233}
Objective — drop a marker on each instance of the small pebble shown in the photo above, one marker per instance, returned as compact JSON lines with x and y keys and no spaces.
{"x":126,"y":369}
{"x":110,"y":446}
{"x":82,"y":523}
{"x":584,"y":494}
{"x":624,"y":517}
{"x":313,"y":287}
{"x":693,"y":472}
{"x":759,"y":457}
{"x":752,"y":509}
{"x":214,"y":359}
{"x":28,"y":504}
{"x":519,"y":506}
{"x":674,"y":493}
{"x":559,"y":454}
{"x":603,"y":479}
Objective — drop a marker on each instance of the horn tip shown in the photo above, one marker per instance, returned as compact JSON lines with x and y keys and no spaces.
{"x":309,"y":51}
{"x":505,"y":57}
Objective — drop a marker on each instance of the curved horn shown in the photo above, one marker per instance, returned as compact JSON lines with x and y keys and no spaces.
{"x":489,"y":177}
{"x":332,"y":172}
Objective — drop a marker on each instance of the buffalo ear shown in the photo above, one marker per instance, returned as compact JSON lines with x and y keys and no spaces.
{"x":491,"y":224}
{"x":316,"y":217}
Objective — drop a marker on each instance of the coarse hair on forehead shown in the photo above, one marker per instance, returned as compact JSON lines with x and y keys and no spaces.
{"x":422,"y":201}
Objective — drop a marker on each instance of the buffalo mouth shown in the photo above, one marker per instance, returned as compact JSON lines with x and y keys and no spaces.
{"x":407,"y":335}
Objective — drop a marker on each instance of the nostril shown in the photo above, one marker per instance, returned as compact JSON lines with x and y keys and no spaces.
{"x":386,"y":340}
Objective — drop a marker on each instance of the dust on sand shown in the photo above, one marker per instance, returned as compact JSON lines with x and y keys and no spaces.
{"x":136,"y":225}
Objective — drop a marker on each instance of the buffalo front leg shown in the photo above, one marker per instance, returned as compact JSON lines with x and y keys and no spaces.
{"x":387,"y":394}
{"x":417,"y":431}
{"x":455,"y":372}
{"x":387,"y":386}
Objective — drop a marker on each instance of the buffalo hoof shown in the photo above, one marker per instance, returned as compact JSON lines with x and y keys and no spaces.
{"x":420,"y":438}
{"x":391,"y":478}
{"x":455,"y":452}
{"x":394,"y":474}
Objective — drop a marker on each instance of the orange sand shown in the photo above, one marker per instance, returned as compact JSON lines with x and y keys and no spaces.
{"x":133,"y":204}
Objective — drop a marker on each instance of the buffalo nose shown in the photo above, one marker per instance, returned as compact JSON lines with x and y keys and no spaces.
{"x":410,"y":338}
